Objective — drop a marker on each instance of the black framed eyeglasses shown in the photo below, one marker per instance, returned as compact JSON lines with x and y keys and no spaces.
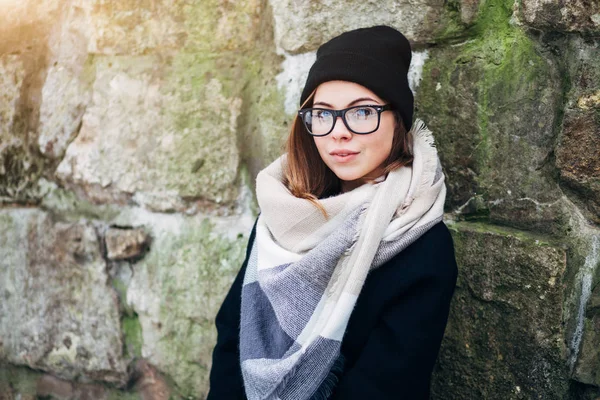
{"x":361,"y":120}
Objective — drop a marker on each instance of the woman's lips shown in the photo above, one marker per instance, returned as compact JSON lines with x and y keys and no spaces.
{"x":344,"y":156}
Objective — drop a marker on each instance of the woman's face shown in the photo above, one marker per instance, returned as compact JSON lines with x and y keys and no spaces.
{"x":353,"y":158}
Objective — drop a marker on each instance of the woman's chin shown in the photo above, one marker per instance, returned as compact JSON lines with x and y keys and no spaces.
{"x":347,"y":175}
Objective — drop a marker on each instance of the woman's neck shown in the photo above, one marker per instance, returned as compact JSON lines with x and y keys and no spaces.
{"x":377,"y":177}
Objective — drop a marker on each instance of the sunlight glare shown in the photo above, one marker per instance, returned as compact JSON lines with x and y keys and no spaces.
{"x":8,"y":5}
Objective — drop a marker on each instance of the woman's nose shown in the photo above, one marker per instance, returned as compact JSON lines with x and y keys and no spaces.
{"x":340,"y":131}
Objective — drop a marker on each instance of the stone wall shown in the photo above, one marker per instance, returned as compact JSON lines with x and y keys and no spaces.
{"x":131,"y":132}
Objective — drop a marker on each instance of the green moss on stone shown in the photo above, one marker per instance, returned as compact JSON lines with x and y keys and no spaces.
{"x":190,"y":272}
{"x":132,"y":332}
{"x":452,"y":28}
{"x":69,"y":207}
{"x":218,"y":26}
{"x":121,"y":395}
{"x":493,"y":99}
{"x":202,"y":112}
{"x":264,"y":124}
{"x":21,"y":380}
{"x":493,"y":15}
{"x":120,"y":287}
{"x":267,"y":124}
{"x":509,"y":291}
{"x":508,"y":63}
{"x":529,"y":238}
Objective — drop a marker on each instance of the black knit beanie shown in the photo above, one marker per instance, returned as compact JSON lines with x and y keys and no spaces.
{"x":377,"y":58}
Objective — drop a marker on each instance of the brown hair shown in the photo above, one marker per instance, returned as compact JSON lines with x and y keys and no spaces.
{"x":308,"y":177}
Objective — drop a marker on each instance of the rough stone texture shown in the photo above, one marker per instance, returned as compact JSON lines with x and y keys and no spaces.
{"x":587,"y":365}
{"x":494,"y":126}
{"x":579,"y":142}
{"x":567,"y":16}
{"x":122,"y":244}
{"x":66,"y":91}
{"x":578,"y":157}
{"x":141,"y":135}
{"x":468,"y":11}
{"x":24,"y":28}
{"x":57,"y":312}
{"x":68,"y":207}
{"x":22,"y":383}
{"x":136,"y":27}
{"x":177,"y":288}
{"x":264,"y":124}
{"x":17,"y":382}
{"x":12,"y":74}
{"x":49,"y":385}
{"x":264,"y":134}
{"x":185,"y":36}
{"x":302,"y":26}
{"x":505,"y":338}
{"x":26,"y":22}
{"x":149,"y":382}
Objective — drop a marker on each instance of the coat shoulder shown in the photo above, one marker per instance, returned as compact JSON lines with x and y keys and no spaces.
{"x":432,"y":253}
{"x":438,"y":238}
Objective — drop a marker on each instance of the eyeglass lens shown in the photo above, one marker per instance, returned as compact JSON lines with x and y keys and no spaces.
{"x":359,"y":120}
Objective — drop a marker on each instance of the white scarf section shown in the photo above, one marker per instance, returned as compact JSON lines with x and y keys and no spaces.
{"x":310,"y":269}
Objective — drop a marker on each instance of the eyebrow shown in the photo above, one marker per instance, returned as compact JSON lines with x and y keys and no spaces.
{"x":322,"y":103}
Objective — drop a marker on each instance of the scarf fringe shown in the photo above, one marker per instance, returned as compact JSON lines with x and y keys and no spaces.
{"x":331,"y":381}
{"x":430,"y":161}
{"x":420,"y":131}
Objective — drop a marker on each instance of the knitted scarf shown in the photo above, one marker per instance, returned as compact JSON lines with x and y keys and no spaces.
{"x":305,"y":271}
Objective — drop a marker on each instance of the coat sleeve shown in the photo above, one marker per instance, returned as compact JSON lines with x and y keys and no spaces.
{"x":226,"y":376}
{"x":400,"y":352}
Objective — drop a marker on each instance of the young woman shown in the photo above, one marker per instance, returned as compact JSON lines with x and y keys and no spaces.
{"x":349,"y":272}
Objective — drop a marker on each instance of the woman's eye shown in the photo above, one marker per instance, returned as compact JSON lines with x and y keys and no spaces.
{"x":364,"y":112}
{"x":322,"y":114}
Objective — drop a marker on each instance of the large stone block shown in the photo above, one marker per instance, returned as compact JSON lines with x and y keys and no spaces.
{"x":578,"y":149}
{"x":153,"y":127}
{"x":505,"y":336}
{"x":492,"y":104}
{"x":567,"y":16}
{"x":57,"y":311}
{"x":177,"y":288}
{"x":136,"y":27}
{"x":302,"y":26}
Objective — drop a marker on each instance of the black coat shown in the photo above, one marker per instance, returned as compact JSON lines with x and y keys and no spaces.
{"x":394,"y":333}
